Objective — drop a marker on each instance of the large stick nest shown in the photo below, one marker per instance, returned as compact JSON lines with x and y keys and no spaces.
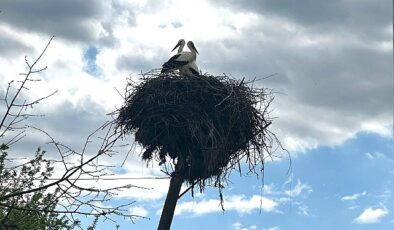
{"x":205,"y":124}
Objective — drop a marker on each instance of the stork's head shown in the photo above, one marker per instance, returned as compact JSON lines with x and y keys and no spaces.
{"x":181,"y":42}
{"x":191,"y":46}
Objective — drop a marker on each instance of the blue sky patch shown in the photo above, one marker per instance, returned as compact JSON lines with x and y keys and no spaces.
{"x":327,"y":188}
{"x":176,"y":24}
{"x":90,"y":55}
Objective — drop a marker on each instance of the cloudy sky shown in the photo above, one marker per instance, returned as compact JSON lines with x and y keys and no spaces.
{"x":332,"y":65}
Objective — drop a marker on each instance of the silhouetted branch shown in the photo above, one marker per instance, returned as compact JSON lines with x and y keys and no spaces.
{"x":65,"y":194}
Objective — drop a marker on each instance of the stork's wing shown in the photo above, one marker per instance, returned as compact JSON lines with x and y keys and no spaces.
{"x":193,"y":71}
{"x":173,"y":63}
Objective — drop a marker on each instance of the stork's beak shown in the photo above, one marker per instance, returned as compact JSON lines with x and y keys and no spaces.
{"x":192,"y":45}
{"x":177,"y":45}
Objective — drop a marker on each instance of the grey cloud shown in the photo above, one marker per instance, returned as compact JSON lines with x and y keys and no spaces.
{"x":311,"y":12}
{"x":333,"y":86}
{"x":10,"y":47}
{"x":304,"y":11}
{"x":68,"y":19}
{"x":336,"y":85}
{"x":243,"y":58}
{"x":352,"y":79}
{"x":121,"y":8}
{"x":363,"y":18}
{"x":72,"y":20}
{"x":68,"y":124}
{"x":110,"y":39}
{"x":135,"y":62}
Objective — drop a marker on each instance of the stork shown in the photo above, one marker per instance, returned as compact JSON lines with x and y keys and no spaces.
{"x":181,"y":43}
{"x":184,"y":61}
{"x":191,"y":68}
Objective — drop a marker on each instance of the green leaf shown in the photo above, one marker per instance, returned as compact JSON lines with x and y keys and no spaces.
{"x":4,"y":147}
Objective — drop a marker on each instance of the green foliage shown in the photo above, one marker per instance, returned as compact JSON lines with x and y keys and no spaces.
{"x":33,"y":210}
{"x":93,"y":225}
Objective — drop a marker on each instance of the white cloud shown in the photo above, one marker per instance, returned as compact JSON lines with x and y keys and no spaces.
{"x":352,"y":207}
{"x":375,"y":155}
{"x":145,"y":182}
{"x":239,"y":226}
{"x":284,"y":200}
{"x":268,"y":189}
{"x":353,"y":197}
{"x":156,"y":188}
{"x":371,"y":215}
{"x":238,"y":203}
{"x":299,"y":189}
{"x":369,"y":155}
{"x":378,"y":128}
{"x":303,"y":210}
{"x":295,"y":196}
{"x":386,"y":194}
{"x":272,"y":228}
{"x":139,"y":211}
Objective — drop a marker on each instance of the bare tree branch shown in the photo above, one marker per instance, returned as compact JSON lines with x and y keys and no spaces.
{"x":65,"y":193}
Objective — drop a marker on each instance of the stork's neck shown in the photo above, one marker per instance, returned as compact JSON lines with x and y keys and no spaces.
{"x":193,"y":51}
{"x":193,"y":55}
{"x":180,"y":49}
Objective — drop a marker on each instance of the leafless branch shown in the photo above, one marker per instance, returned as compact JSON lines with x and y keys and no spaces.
{"x":70,"y":196}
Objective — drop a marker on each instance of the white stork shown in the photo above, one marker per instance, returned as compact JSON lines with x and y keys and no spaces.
{"x":181,"y":43}
{"x":191,"y":68}
{"x":184,"y":61}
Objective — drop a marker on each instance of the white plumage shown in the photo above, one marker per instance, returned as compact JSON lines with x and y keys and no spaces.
{"x":189,"y":69}
{"x":184,"y":61}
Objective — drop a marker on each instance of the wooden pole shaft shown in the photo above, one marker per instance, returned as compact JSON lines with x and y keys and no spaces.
{"x":169,"y":206}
